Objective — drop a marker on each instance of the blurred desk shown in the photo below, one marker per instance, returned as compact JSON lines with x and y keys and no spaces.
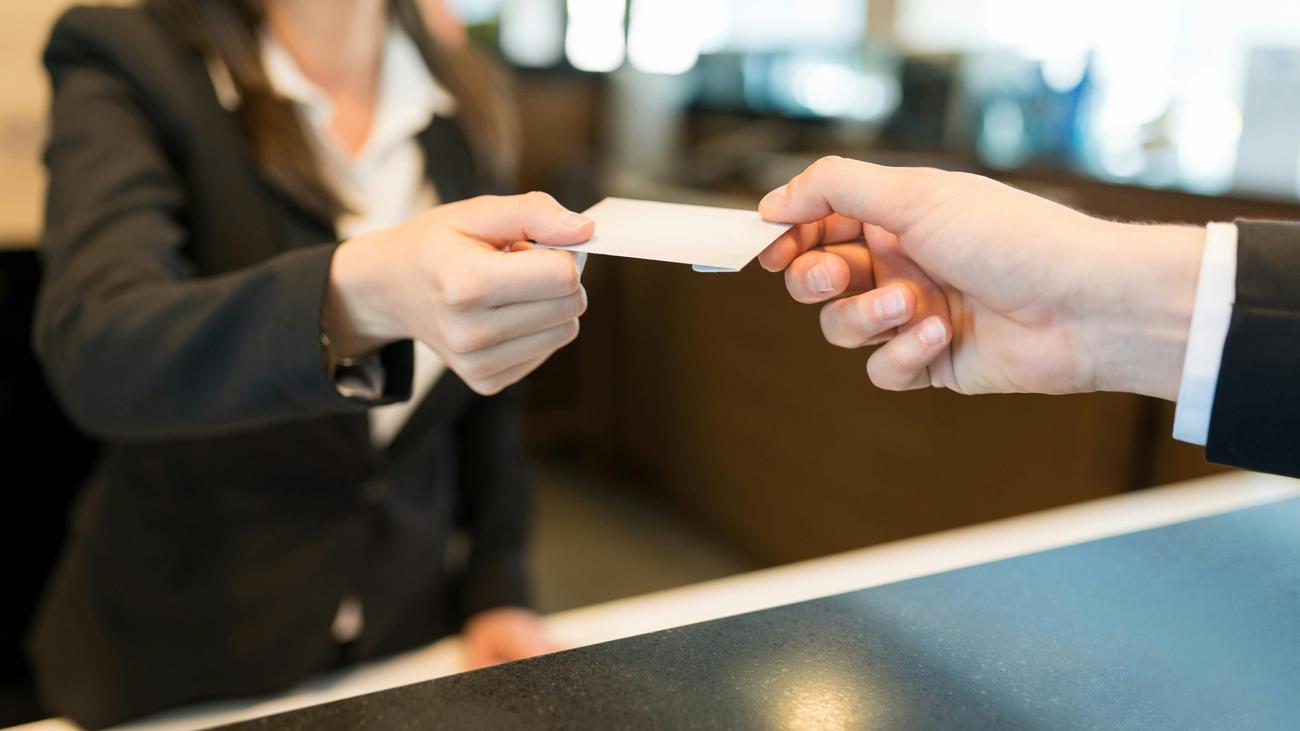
{"x":870,"y":567}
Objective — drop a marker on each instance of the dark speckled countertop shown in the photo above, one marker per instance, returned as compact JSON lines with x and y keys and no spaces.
{"x":1194,"y":625}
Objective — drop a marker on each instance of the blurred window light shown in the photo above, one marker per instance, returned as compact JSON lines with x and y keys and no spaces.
{"x":829,"y":88}
{"x":595,"y":39}
{"x":473,"y":12}
{"x":942,"y":26}
{"x":714,"y":18}
{"x":1134,"y":59}
{"x":1122,"y":156}
{"x":1003,"y":142}
{"x":876,"y":95}
{"x":1269,"y":148}
{"x":824,"y":88}
{"x":755,"y":76}
{"x":1206,"y":135}
{"x":764,"y":25}
{"x":1036,"y":29}
{"x":1064,"y":73}
{"x":532,"y":32}
{"x":664,"y":35}
{"x":1164,"y":87}
{"x":1042,"y":30}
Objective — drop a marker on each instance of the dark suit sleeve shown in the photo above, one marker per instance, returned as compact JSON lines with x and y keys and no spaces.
{"x":1255,"y":422}
{"x":135,"y":344}
{"x":496,"y":494}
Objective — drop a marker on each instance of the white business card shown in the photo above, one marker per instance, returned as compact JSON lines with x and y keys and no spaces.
{"x":710,"y":239}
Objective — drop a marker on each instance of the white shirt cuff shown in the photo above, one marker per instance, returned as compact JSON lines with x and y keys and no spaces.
{"x":1216,"y":289}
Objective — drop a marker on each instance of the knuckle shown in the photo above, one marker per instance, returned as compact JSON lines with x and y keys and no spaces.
{"x":476,"y":201}
{"x":566,"y":278}
{"x":456,"y":343}
{"x":468,"y":206}
{"x":880,"y":371}
{"x":825,"y":174}
{"x":827,"y":164}
{"x":462,"y":293}
{"x":837,"y":327}
{"x":903,"y":366}
{"x":836,"y":336}
{"x":580,"y":302}
{"x":538,"y":199}
{"x":864,"y":315}
{"x":468,"y":340}
{"x":896,"y":359}
{"x":809,"y":235}
{"x":813,"y":173}
{"x":473,"y":370}
{"x":487,"y":386}
{"x":562,"y":336}
{"x":957,"y":177}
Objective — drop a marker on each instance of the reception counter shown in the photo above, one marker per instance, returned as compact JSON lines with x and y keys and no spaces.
{"x":1172,"y":607}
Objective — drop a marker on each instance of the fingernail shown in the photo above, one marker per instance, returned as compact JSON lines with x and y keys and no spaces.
{"x":575,"y":220}
{"x":775,"y":199}
{"x":932,"y":332}
{"x":891,"y":306}
{"x":819,"y":279}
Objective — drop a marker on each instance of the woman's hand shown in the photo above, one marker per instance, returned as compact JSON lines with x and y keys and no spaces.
{"x":504,"y":635}
{"x":980,"y":288}
{"x":449,"y":278}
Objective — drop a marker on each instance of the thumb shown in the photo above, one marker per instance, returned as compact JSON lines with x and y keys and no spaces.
{"x":503,"y":220}
{"x":876,"y":194}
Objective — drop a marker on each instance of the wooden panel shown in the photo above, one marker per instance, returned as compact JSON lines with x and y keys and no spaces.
{"x":560,"y":116}
{"x":1170,"y":460}
{"x":730,"y":397}
{"x":22,"y":116}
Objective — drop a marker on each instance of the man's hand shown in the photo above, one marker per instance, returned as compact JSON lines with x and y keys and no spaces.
{"x":980,"y":288}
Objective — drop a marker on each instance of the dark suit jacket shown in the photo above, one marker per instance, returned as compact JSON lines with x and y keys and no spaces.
{"x":1255,"y":422}
{"x":239,"y":499}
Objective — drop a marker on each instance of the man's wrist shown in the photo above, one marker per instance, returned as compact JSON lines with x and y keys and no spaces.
{"x":1139,"y":328}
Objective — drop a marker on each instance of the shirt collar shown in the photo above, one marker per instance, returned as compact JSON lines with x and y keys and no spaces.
{"x":408,"y":95}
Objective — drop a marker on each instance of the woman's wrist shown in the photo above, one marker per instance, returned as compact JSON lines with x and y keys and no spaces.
{"x":359,"y":316}
{"x":1142,"y":316}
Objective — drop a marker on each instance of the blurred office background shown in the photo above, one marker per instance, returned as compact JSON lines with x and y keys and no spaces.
{"x":701,"y":426}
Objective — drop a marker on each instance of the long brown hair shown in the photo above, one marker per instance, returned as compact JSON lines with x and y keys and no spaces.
{"x":226,"y":31}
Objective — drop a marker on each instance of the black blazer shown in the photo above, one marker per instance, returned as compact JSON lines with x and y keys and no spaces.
{"x":239,"y":498}
{"x":1255,"y":422}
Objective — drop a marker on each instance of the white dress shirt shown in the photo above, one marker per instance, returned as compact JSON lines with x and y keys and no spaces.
{"x":1216,"y":291}
{"x":385,"y":182}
